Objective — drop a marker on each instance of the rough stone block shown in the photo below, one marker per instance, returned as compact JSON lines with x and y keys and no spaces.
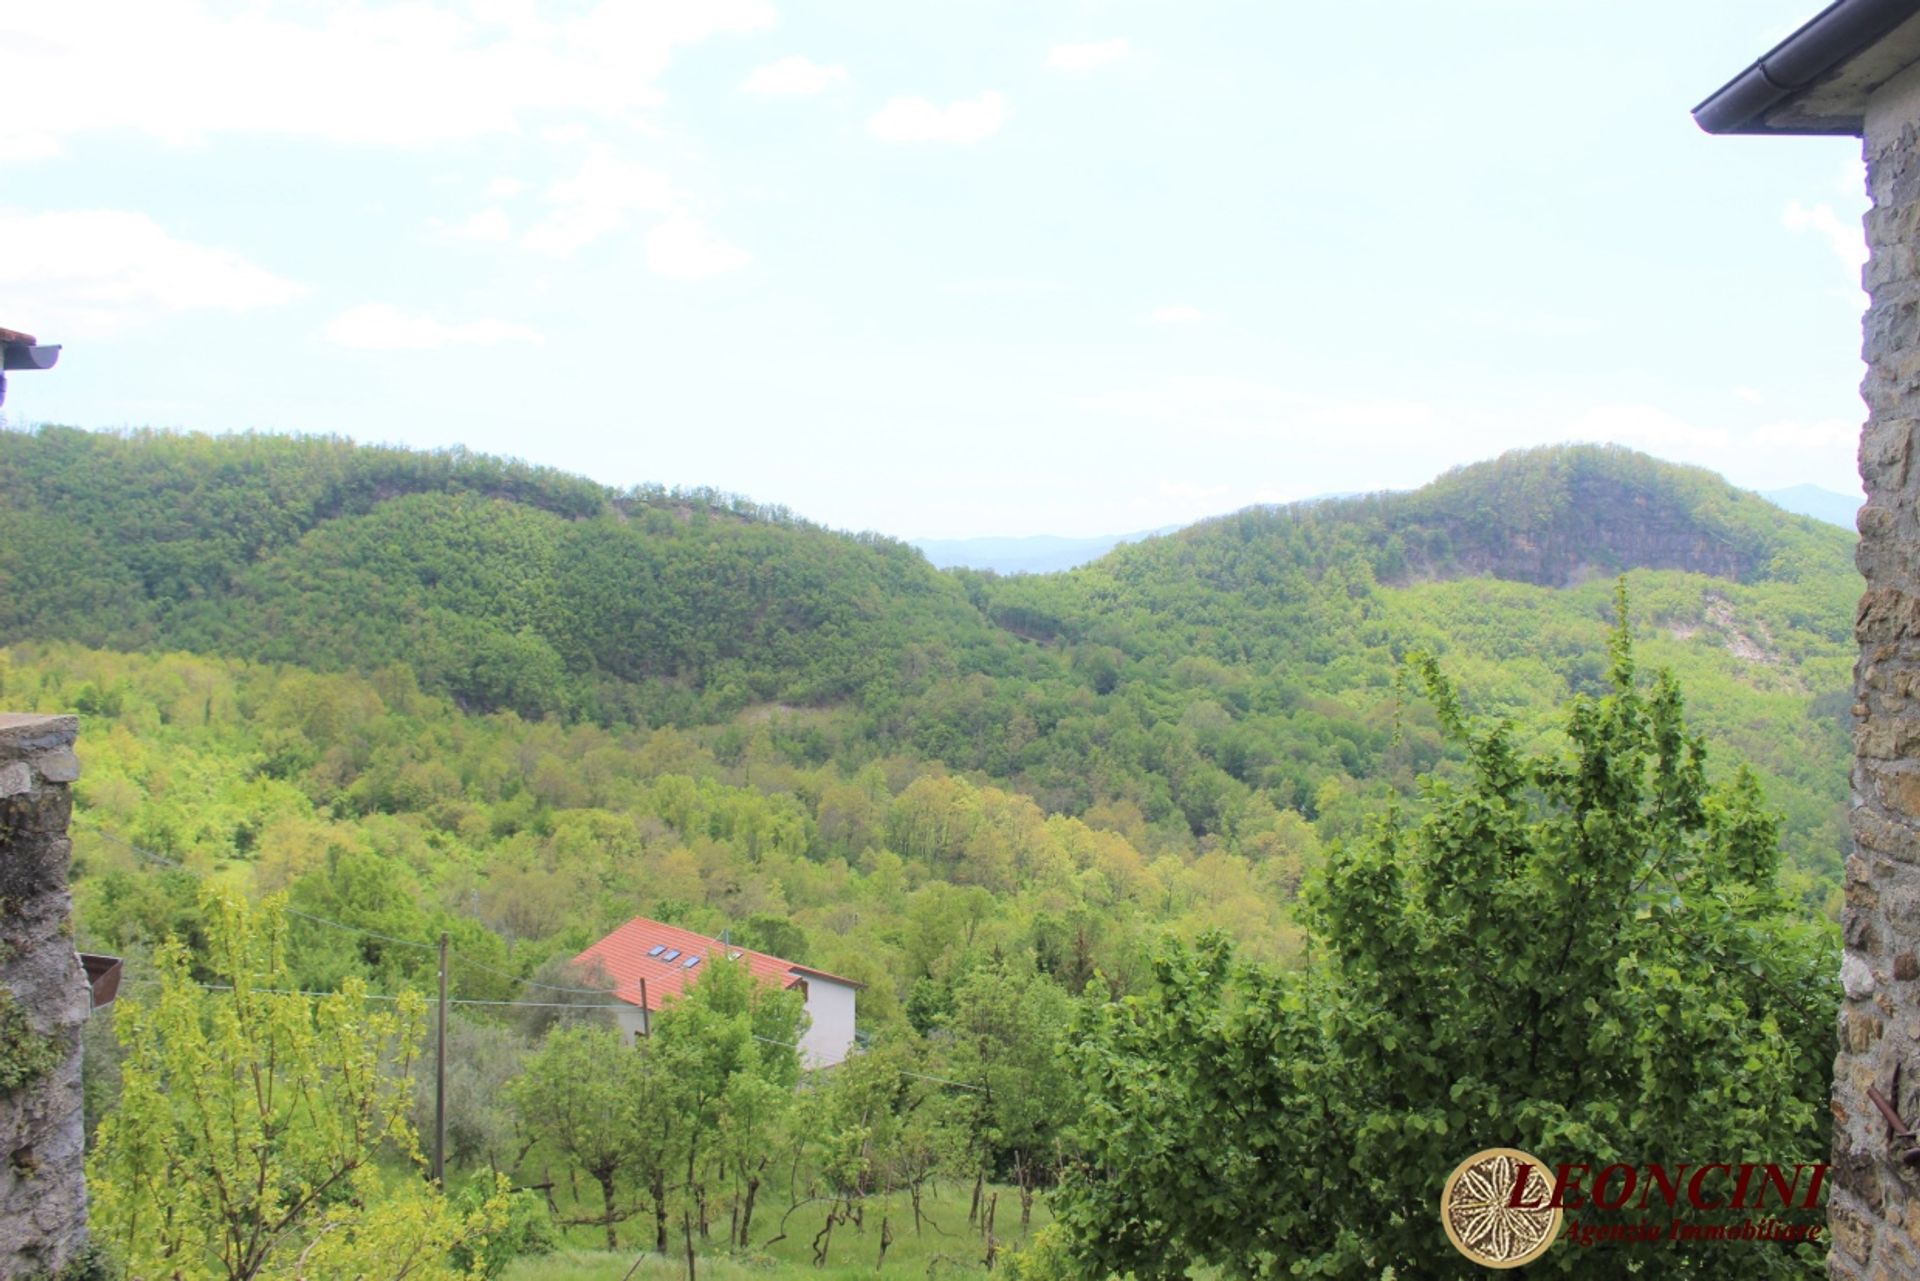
{"x":1887,"y":739}
{"x":57,"y":766}
{"x":1901,"y":791}
{"x":1859,"y":1175}
{"x":1856,"y":977}
{"x":1875,"y":831}
{"x":1852,"y":1232}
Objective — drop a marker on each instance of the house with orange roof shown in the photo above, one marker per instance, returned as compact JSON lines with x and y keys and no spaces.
{"x":650,"y":962}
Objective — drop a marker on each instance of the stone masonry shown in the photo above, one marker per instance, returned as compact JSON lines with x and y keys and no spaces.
{"x":43,"y":1002}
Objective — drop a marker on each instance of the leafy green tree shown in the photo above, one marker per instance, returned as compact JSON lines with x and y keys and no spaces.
{"x":1002,"y":1040}
{"x":583,"y":1095}
{"x":729,"y":1045}
{"x":250,"y":1121}
{"x":482,"y":1060}
{"x":1581,"y":954}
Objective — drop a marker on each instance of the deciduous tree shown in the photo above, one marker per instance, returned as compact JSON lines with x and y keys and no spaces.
{"x":250,"y":1121}
{"x":1581,"y":954}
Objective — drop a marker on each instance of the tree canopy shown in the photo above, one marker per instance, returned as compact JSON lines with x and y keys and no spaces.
{"x":252,"y":1122}
{"x":1581,"y":953}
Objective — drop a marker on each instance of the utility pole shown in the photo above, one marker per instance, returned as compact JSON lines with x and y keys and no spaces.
{"x":440,"y":1075}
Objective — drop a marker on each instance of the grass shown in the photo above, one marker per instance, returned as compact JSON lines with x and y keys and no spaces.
{"x":949,"y":1253}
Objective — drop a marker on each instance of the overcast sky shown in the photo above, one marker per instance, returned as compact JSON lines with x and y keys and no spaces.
{"x":934,"y":269}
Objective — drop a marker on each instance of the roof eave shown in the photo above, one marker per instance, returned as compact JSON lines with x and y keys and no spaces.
{"x":1751,"y":102}
{"x":841,"y":979}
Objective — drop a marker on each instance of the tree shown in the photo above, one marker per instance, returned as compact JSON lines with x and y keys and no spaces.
{"x":582,"y":1093}
{"x":729,"y":1045}
{"x":1002,"y":1041}
{"x":250,"y":1119}
{"x":1580,"y":954}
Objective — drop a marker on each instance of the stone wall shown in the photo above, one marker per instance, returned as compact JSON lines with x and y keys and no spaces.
{"x":43,"y":1002}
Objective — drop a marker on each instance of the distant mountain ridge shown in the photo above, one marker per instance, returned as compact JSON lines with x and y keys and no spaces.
{"x":1045,"y":553}
{"x":1033,"y":554}
{"x":1821,"y":504}
{"x":510,"y":586}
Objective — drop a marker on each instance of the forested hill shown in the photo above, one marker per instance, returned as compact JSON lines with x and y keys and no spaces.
{"x":1552,"y":517}
{"x":1193,"y":689}
{"x":504,"y":585}
{"x":1276,"y":583}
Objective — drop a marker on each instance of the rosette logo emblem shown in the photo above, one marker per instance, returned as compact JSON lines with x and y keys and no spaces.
{"x":1484,"y":1218}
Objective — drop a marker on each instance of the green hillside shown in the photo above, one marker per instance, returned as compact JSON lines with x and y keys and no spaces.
{"x":500,"y":584}
{"x":1195,"y":688}
{"x":427,"y":694}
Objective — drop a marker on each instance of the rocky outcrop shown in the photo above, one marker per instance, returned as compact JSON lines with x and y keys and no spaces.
{"x":1556,"y":517}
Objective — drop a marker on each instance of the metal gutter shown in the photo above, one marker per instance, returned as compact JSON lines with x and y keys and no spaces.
{"x":1832,"y":36}
{"x":23,"y":351}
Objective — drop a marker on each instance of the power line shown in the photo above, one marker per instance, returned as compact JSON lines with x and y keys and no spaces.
{"x":355,"y":929}
{"x":545,"y":1005}
{"x":943,"y":1080}
{"x":164,"y":861}
{"x":161,"y":859}
{"x":551,"y":987}
{"x":384,"y":996}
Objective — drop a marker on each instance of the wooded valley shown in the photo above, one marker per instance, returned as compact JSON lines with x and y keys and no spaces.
{"x":1129,"y":858}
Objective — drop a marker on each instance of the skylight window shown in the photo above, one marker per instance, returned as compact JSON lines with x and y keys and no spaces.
{"x":656,"y":949}
{"x":690,"y":962}
{"x":671,"y":954}
{"x":733,"y":956}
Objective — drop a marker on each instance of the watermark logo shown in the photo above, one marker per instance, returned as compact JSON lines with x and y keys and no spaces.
{"x":1487,"y":1221}
{"x":1503,"y":1207}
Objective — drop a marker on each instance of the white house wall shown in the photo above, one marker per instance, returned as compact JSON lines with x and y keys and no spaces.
{"x":829,"y":1037}
{"x":633,"y":1022}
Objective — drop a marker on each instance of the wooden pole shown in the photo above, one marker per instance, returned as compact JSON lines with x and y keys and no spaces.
{"x":440,"y":1075}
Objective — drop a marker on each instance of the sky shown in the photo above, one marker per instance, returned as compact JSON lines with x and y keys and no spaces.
{"x":938,"y":270}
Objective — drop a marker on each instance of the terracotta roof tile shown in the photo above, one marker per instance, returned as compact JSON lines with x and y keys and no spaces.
{"x":623,"y":955}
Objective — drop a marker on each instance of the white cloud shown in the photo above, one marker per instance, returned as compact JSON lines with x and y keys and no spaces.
{"x":505,"y":188}
{"x":1178,"y":314}
{"x":606,"y":196}
{"x":1087,"y":57}
{"x":917,"y":120}
{"x":793,"y":75}
{"x":408,"y":74}
{"x":684,"y":249}
{"x":1846,"y":239}
{"x":87,"y":273}
{"x":600,"y":199}
{"x":382,"y":326}
{"x":1752,"y":395}
{"x":19,"y":145}
{"x":488,"y":224}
